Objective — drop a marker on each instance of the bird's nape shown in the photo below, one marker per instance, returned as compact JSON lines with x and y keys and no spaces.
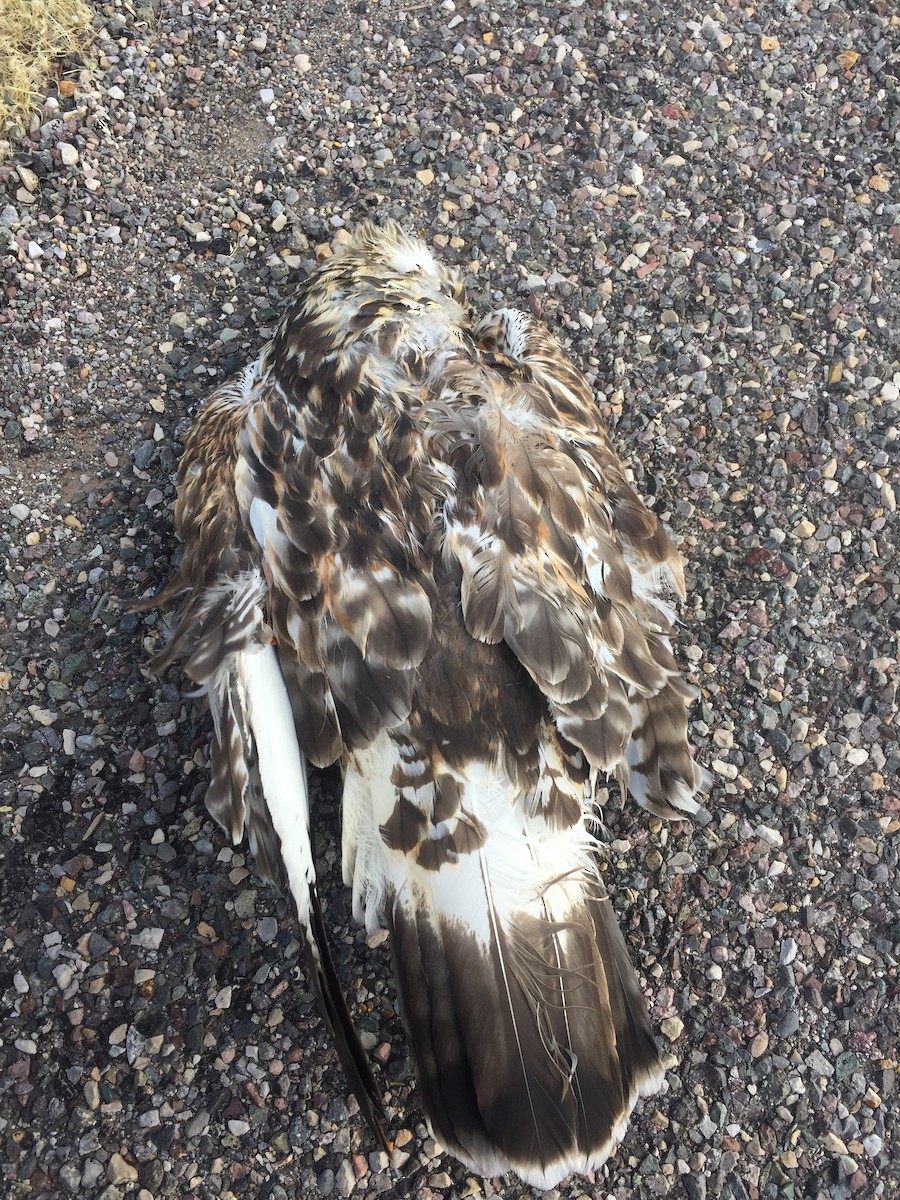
{"x":410,"y":547}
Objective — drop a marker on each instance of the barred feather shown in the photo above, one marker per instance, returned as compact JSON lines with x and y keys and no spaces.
{"x":410,"y":546}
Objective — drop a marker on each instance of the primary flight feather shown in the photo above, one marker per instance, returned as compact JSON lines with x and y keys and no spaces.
{"x":410,"y":547}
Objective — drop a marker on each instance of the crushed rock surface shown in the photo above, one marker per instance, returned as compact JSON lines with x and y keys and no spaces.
{"x":702,"y":202}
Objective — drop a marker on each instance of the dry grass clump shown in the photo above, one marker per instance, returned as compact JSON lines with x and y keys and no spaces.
{"x":33,"y":35}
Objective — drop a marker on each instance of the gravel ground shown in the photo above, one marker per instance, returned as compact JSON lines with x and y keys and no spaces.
{"x":702,"y":201}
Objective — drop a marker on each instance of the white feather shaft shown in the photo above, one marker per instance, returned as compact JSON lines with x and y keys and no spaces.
{"x":282,"y":767}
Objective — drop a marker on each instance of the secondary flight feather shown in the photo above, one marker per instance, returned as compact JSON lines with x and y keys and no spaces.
{"x":410,"y":547}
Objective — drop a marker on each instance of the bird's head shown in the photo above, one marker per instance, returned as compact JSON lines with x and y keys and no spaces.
{"x":380,"y":287}
{"x":381,"y":263}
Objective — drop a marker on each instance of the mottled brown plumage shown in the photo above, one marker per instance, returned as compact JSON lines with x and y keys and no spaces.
{"x":410,"y":547}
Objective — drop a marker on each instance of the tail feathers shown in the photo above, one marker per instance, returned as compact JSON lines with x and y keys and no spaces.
{"x":659,"y":770}
{"x":532,"y":1045}
{"x":333,"y":1005}
{"x":258,"y":780}
{"x":641,"y":1071}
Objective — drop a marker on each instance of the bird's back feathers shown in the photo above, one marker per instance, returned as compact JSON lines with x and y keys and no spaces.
{"x":410,"y":546}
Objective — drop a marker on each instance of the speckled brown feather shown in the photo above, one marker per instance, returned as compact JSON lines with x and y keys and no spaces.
{"x":425,"y":518}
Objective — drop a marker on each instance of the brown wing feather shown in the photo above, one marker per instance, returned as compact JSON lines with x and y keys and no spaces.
{"x":632,"y":717}
{"x":350,"y":607}
{"x":559,"y":556}
{"x":222,"y":617}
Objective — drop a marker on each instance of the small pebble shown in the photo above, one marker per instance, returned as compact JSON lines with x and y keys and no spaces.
{"x":267,"y":929}
{"x":120,"y":1171}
